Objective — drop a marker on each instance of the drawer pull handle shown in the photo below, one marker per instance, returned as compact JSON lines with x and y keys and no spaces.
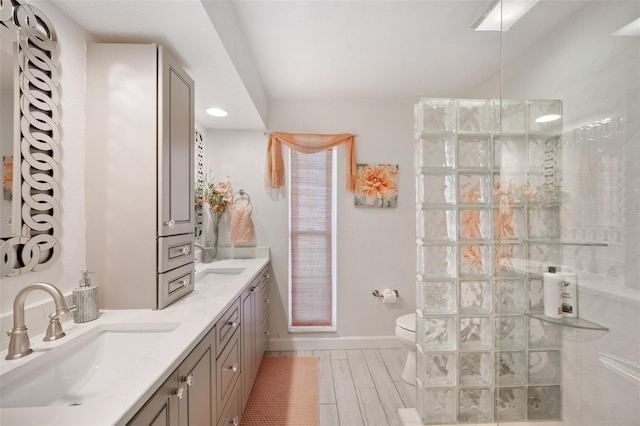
{"x":254,"y":288}
{"x":233,"y":367}
{"x":267,"y":301}
{"x":233,"y":324}
{"x":188,"y":380}
{"x":171,"y":224}
{"x":266,"y":333}
{"x":235,"y":421}
{"x":266,"y":276}
{"x":185,"y":282}
{"x":179,"y":392}
{"x":186,"y":250}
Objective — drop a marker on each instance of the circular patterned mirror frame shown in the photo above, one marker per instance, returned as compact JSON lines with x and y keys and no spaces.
{"x":34,"y":244}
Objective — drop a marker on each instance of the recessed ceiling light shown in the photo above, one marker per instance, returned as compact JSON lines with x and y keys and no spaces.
{"x":547,"y":118}
{"x":217,"y":112}
{"x":502,"y":15}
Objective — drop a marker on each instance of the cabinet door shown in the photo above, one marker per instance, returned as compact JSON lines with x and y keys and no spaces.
{"x":176,"y":133}
{"x":247,"y":347}
{"x":162,"y":407}
{"x":256,"y":328}
{"x":196,"y":376}
{"x":262,"y":325}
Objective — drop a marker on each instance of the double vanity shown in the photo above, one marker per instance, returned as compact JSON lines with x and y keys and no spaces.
{"x":163,"y":351}
{"x":192,"y":363}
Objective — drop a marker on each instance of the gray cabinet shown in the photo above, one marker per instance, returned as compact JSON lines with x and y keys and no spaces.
{"x":255,"y":329}
{"x":187,"y":396}
{"x":139,"y":175}
{"x":212,"y":385}
{"x":228,"y":365}
{"x":265,"y":302}
{"x":162,"y":407}
{"x":248,"y":298}
{"x":176,"y":214}
{"x":231,"y":413}
{"x":197,"y":376}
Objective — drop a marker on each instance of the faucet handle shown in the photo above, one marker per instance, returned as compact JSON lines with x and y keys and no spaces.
{"x":54,"y":330}
{"x":62,"y":310}
{"x":67,"y":309}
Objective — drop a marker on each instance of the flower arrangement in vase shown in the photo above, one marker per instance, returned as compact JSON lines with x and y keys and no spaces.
{"x":216,"y":196}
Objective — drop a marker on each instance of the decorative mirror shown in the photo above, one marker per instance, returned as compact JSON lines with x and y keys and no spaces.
{"x":31,"y":169}
{"x":199,"y":186}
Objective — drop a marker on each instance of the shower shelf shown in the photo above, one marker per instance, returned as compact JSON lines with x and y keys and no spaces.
{"x":568,"y":322}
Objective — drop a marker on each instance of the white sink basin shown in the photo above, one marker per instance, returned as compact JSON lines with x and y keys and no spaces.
{"x":224,"y":271}
{"x":81,"y":369}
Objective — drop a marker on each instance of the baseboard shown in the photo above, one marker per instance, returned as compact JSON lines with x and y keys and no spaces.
{"x":327,"y":343}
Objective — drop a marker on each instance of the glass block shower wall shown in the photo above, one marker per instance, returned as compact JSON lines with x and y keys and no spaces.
{"x":488,"y":204}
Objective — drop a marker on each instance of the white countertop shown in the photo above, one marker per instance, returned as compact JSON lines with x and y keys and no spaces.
{"x":196,"y":313}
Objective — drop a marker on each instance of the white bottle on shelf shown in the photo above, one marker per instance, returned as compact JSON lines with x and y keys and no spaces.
{"x":569,"y":294}
{"x":551,"y":283}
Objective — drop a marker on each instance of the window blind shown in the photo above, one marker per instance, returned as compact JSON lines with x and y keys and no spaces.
{"x":311,"y":207}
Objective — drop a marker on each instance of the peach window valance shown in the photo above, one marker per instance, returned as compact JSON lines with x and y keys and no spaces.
{"x":307,"y":144}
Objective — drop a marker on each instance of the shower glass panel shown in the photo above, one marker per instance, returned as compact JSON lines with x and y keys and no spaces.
{"x":566,"y":165}
{"x":537,"y":167}
{"x":483,"y":211}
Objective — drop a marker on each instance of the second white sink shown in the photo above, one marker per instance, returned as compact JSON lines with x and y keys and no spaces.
{"x":81,"y":369}
{"x":225,"y":271}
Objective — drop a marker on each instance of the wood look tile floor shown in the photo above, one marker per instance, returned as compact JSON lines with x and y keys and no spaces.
{"x":360,"y":387}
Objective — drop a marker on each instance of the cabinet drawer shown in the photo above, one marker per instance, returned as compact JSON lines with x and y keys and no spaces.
{"x":231,"y":413}
{"x":228,"y":370}
{"x":265,"y":276}
{"x":175,"y":284}
{"x":174,"y":251}
{"x":226,"y":325}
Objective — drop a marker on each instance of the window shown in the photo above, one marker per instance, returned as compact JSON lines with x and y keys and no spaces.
{"x":312,"y":219}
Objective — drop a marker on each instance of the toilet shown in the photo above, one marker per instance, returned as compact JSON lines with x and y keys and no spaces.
{"x":406,"y":333}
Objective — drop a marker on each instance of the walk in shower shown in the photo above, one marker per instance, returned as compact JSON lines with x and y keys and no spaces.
{"x":539,"y":167}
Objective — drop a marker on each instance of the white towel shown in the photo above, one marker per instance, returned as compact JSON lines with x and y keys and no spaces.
{"x":241,"y":224}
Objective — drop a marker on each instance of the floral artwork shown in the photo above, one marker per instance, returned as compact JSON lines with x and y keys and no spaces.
{"x":377,"y":185}
{"x":7,"y":177}
{"x":502,"y":217}
{"x":471,"y":253}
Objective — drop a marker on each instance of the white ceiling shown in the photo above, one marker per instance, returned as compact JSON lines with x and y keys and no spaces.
{"x":242,"y":53}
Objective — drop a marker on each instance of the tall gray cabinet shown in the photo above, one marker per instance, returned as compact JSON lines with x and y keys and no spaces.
{"x":139,"y":175}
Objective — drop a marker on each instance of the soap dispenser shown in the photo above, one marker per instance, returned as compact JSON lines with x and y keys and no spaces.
{"x":85,"y":298}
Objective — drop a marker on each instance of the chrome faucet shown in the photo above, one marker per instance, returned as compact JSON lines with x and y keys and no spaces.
{"x":207,"y":253}
{"x":19,"y":344}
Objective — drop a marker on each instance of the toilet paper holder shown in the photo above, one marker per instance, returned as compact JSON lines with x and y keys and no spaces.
{"x":378,"y":294}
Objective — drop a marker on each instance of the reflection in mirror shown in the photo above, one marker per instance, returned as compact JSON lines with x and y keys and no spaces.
{"x":7,"y":64}
{"x":31,"y":156}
